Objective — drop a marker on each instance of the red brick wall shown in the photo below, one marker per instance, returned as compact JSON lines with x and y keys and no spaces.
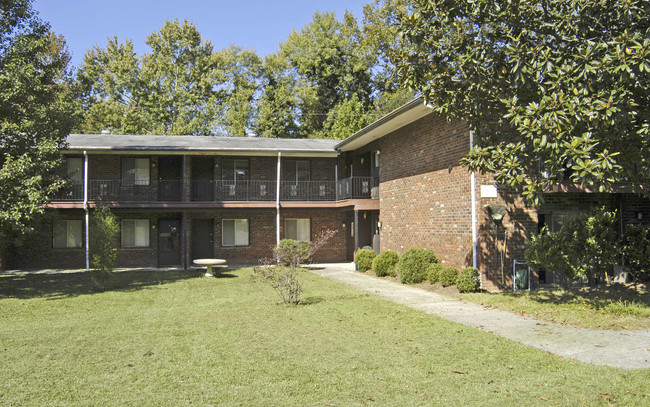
{"x":425,"y":201}
{"x":424,"y":194}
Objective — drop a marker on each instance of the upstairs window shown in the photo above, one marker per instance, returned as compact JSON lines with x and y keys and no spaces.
{"x":295,"y":170}
{"x":74,"y":169}
{"x":135,"y":171}
{"x":234,"y":171}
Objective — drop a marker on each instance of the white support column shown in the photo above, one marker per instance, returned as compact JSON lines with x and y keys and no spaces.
{"x":86,"y":210}
{"x":277,"y":202}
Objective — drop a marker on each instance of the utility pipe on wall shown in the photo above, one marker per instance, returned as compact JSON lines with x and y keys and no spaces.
{"x":86,"y":210}
{"x":473,"y":199}
{"x":277,"y":202}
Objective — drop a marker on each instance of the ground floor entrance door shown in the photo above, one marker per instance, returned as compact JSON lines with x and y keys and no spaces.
{"x":202,"y":239}
{"x":169,"y":242}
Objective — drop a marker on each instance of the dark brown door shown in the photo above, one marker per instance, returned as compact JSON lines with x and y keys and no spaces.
{"x":202,"y":239}
{"x":202,"y":178}
{"x":169,"y":242}
{"x":170,"y":175}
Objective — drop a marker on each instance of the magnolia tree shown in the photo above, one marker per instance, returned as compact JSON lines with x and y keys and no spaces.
{"x":553,"y":90}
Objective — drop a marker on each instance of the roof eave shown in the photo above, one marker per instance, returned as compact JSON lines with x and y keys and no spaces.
{"x":400,"y":117}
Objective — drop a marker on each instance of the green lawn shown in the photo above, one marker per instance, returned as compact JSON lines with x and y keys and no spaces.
{"x":601,"y":307}
{"x":170,"y":339}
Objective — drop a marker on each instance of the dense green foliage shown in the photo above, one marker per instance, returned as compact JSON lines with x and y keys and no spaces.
{"x":468,"y":280}
{"x":384,"y":264}
{"x":636,"y":252}
{"x":363,"y":258}
{"x":447,"y":276}
{"x":292,"y":252}
{"x":585,"y":246}
{"x":413,"y":264}
{"x":433,"y":272}
{"x":182,"y":86}
{"x":553,"y":90}
{"x":329,"y":79}
{"x":36,"y":114}
{"x":104,"y":234}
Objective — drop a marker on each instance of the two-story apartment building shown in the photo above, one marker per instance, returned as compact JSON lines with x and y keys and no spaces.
{"x":395,"y":184}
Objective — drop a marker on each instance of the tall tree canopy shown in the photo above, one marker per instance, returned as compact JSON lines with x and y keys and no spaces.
{"x":36,"y":114}
{"x":174,"y":89}
{"x":553,"y":89}
{"x":327,"y":80}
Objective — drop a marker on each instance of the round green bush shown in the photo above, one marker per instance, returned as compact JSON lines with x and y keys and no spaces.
{"x":448,"y":276}
{"x":468,"y":280}
{"x":433,"y":272}
{"x":384,"y":264}
{"x":364,"y":258}
{"x":412,"y":265}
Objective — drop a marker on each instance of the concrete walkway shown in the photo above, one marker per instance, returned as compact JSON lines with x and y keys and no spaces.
{"x":623,"y":349}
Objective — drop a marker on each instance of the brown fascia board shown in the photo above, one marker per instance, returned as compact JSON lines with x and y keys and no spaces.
{"x":400,"y":117}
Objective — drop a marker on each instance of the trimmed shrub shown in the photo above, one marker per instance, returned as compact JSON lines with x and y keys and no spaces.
{"x":433,"y":272}
{"x":448,"y":276}
{"x":468,"y":280}
{"x":364,"y":258}
{"x":292,"y":252}
{"x":384,"y":264}
{"x":412,"y":265}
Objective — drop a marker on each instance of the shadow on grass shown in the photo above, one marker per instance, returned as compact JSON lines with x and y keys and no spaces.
{"x":56,"y":286}
{"x":597,"y":298}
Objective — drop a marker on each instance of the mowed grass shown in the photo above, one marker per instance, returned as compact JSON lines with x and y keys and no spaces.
{"x":601,"y":307}
{"x":168,"y":339}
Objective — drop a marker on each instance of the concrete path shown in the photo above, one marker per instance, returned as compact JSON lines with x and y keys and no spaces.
{"x":623,"y":349}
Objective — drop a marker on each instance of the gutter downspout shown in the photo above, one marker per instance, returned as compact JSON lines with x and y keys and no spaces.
{"x":473,"y":199}
{"x":277,"y":202}
{"x":86,"y":210}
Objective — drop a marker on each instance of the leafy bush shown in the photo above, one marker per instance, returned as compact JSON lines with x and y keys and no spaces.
{"x":283,"y":279}
{"x":104,"y":232}
{"x":364,"y":258}
{"x":448,"y":276}
{"x":412,"y":265}
{"x":384,"y":264}
{"x":585,"y":246}
{"x":296,"y":252}
{"x":636,"y":251}
{"x":292,"y":252}
{"x":282,"y":272}
{"x":433,"y":272}
{"x":469,"y":280}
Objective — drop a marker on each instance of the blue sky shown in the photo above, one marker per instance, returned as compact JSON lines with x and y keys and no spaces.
{"x":258,"y":24}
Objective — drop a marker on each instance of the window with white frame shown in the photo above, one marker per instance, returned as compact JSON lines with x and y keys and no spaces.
{"x":135,"y":233}
{"x":234,"y":232}
{"x":67,"y":234}
{"x":135,"y":171}
{"x":297,"y":229}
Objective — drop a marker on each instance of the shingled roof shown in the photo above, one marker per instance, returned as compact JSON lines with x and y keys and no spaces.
{"x":199,"y":144}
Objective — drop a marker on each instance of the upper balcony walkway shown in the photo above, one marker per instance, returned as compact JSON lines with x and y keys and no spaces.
{"x":171,"y":191}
